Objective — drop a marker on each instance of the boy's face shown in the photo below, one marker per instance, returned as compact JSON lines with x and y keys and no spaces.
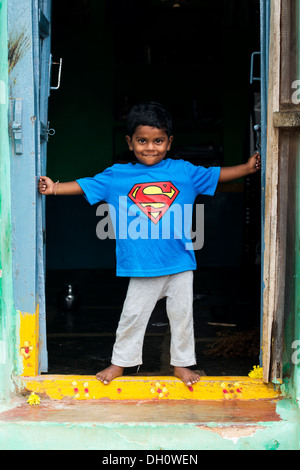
{"x":149,"y":144}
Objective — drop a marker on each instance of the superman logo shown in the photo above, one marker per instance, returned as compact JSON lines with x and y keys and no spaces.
{"x":154,"y":199}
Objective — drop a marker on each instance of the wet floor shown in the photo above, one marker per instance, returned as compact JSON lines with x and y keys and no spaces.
{"x":226,"y":321}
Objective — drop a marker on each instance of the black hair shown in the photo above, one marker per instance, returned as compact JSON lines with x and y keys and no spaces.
{"x":149,"y":113}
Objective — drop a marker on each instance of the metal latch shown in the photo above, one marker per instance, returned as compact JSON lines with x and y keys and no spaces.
{"x":257,"y":130}
{"x":252,"y":78}
{"x":17,"y":127}
{"x":59,"y":74}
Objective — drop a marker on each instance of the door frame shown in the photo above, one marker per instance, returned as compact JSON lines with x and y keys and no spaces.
{"x":28,"y":236}
{"x":282,"y":125}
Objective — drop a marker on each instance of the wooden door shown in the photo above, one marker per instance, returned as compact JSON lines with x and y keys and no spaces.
{"x":29,"y":24}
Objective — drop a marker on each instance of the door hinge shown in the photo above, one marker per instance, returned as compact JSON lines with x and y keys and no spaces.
{"x":44,"y":25}
{"x":45,"y":132}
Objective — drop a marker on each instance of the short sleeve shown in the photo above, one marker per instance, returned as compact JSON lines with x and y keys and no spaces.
{"x":205,"y":180}
{"x":97,"y":188}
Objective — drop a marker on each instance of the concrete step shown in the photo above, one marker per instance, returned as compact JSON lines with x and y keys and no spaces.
{"x":84,"y":387}
{"x":149,"y":414}
{"x":177,"y":425}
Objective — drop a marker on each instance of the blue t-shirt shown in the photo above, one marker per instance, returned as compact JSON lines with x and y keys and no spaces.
{"x":151,"y":212}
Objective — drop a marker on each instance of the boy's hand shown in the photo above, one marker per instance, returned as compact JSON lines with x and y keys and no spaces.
{"x":46,"y":186}
{"x":254,"y":163}
{"x":239,"y":171}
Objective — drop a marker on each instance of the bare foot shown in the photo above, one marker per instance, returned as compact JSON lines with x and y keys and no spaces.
{"x":110,"y":373}
{"x":188,"y":376}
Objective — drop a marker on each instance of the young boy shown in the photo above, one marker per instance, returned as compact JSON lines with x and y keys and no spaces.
{"x":143,"y":195}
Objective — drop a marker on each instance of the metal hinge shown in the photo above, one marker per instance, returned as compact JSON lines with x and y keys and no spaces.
{"x":45,"y":132}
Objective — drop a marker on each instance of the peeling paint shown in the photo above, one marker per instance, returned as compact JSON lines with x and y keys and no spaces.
{"x":29,"y":342}
{"x":234,"y":433}
{"x":140,"y":426}
{"x":17,"y":48}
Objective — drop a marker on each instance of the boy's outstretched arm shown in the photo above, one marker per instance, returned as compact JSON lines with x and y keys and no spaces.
{"x":233,"y":172}
{"x":48,"y":187}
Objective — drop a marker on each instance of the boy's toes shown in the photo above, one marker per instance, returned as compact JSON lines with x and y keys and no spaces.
{"x":102,"y":378}
{"x":196,"y":378}
{"x":107,"y":375}
{"x":186,"y":375}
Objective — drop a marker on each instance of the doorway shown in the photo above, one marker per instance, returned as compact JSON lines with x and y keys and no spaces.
{"x":194,"y":57}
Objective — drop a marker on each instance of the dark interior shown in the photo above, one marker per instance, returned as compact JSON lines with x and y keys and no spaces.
{"x":194,"y":57}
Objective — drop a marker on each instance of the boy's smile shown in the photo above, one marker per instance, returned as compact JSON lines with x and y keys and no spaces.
{"x":149,"y":144}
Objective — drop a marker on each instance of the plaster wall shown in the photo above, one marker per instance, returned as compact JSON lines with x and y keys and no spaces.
{"x":7,"y":312}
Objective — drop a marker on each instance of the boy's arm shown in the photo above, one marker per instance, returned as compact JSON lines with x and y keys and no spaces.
{"x":48,"y":187}
{"x":233,"y":172}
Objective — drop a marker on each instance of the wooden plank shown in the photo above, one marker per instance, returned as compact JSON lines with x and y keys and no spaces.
{"x":278,"y":319}
{"x":286,"y":119}
{"x":278,"y":156}
{"x":271,"y":196}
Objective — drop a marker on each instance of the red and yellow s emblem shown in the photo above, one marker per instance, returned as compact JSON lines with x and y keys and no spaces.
{"x":154,"y":199}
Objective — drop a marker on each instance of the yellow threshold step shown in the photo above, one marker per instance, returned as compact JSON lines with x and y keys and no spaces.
{"x":84,"y":387}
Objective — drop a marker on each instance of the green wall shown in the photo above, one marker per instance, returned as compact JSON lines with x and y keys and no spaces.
{"x":7,"y":343}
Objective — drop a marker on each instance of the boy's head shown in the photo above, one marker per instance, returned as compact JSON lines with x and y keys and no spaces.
{"x":149,"y":113}
{"x":149,"y":136}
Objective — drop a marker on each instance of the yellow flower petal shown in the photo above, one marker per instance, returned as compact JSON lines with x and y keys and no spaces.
{"x":33,"y":399}
{"x":256,"y":372}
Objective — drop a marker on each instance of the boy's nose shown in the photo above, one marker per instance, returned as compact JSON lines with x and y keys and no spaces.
{"x":150,"y":146}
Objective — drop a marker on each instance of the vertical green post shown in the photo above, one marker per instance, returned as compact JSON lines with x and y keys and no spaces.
{"x":6,"y":290}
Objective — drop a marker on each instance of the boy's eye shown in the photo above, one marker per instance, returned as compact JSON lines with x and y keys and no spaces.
{"x":143,"y":141}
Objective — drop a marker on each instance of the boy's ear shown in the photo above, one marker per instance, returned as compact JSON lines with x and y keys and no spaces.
{"x":170,"y":141}
{"x":128,"y":140}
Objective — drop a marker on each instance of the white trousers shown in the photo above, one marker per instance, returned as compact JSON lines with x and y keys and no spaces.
{"x":142,"y":296}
